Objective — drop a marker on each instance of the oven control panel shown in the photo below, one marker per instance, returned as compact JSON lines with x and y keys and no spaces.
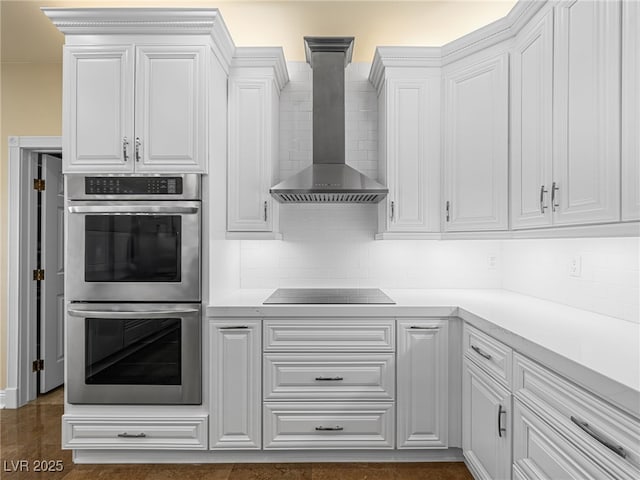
{"x":133,"y":185}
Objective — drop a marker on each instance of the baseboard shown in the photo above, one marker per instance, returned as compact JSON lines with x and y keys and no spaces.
{"x":2,"y":403}
{"x":261,"y":456}
{"x":9,"y":398}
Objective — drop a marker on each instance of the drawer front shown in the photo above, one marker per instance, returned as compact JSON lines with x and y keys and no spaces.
{"x":301,"y":426}
{"x":605,"y":433}
{"x":492,"y":355}
{"x":329,"y":335}
{"x":321,"y":376}
{"x":539,"y":452}
{"x":188,"y":433}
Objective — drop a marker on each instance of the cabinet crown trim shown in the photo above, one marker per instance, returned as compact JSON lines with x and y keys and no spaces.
{"x":402,"y":57}
{"x":269,"y":58}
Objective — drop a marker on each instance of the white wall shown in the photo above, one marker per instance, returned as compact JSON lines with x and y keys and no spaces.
{"x":610,"y":279}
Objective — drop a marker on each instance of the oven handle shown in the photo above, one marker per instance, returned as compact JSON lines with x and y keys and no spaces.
{"x":123,"y":314}
{"x":140,"y":209}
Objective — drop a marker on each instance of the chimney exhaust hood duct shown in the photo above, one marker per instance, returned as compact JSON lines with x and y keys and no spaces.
{"x":329,"y":179}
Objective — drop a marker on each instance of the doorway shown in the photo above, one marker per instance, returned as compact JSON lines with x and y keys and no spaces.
{"x":35,"y":273}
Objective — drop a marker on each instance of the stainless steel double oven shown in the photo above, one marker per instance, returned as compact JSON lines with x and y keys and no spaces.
{"x":133,"y":281}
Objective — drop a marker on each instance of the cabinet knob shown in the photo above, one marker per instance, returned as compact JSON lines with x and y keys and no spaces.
{"x":543,"y":207}
{"x":501,"y":429}
{"x":125,"y":145}
{"x":138,"y":148}
{"x":554,"y":189}
{"x":265,"y":210}
{"x":447,"y":208}
{"x":393,"y":210}
{"x":132,"y":435}
{"x":337,"y":428}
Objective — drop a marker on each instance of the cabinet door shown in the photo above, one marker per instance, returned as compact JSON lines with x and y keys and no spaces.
{"x":531,"y":124}
{"x":586,"y":164}
{"x":539,"y":452}
{"x":476,"y":143}
{"x":630,"y":110}
{"x":250,"y":152}
{"x":236,"y":401}
{"x":171,"y":102}
{"x":413,"y":154}
{"x":97,"y":115}
{"x":422,"y":377}
{"x":486,"y":425}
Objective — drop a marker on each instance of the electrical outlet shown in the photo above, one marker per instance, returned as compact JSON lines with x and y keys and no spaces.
{"x":492,"y":261}
{"x":575,"y":266}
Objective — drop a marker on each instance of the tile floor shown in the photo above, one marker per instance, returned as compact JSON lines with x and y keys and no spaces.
{"x":32,"y":433}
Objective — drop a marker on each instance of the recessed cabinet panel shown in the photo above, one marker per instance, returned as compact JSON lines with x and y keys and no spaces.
{"x":98,"y":108}
{"x":486,"y":424}
{"x":476,"y":143}
{"x":531,"y":126}
{"x":250,"y":151}
{"x":587,"y":112}
{"x":422,"y":383}
{"x":170,"y":107}
{"x":630,"y":110}
{"x":235,"y":384}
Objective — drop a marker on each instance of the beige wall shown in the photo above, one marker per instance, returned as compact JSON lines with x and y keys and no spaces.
{"x":30,"y":91}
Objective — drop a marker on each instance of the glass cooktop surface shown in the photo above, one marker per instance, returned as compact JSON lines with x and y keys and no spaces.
{"x":328,"y":296}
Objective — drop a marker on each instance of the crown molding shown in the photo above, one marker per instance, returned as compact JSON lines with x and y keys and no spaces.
{"x":399,"y":57}
{"x":270,"y":58}
{"x":496,"y":32}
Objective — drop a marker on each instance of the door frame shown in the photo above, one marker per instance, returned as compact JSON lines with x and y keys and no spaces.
{"x":20,"y":289}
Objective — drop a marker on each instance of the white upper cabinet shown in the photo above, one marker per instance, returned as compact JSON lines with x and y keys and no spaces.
{"x":170,"y":108}
{"x":475,"y":146}
{"x":531,"y":126}
{"x":630,"y":110}
{"x":98,"y":108}
{"x":409,"y":142}
{"x":586,"y":112}
{"x":117,"y":121}
{"x":256,"y":78}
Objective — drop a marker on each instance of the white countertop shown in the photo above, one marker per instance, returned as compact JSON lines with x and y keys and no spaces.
{"x":602,"y":353}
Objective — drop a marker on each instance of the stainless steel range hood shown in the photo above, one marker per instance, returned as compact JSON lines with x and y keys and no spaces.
{"x":329,"y":179}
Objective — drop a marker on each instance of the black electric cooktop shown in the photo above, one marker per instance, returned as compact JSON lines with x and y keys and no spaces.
{"x":328,"y":296}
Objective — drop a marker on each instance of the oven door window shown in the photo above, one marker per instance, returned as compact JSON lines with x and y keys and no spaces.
{"x":132,"y":248}
{"x":133,"y":351}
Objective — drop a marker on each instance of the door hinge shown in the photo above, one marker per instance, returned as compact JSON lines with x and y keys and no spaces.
{"x":38,"y":184}
{"x":38,"y":365}
{"x":38,"y":274}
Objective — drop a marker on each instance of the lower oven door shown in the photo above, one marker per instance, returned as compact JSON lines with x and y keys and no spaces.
{"x":134,"y":353}
{"x":134,"y":251}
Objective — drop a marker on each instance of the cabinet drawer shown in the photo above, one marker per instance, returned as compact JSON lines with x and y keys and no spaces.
{"x":539,"y":452}
{"x":300,"y":426}
{"x":329,"y":335}
{"x":492,"y":355}
{"x":176,"y":433}
{"x":605,"y":433}
{"x":293,"y":376}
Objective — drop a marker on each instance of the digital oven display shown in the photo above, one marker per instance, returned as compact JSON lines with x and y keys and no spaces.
{"x":133,"y":185}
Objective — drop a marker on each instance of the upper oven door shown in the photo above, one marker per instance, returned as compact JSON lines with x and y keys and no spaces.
{"x":134,"y":251}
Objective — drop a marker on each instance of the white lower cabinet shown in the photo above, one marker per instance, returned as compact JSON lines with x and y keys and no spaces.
{"x":311,"y":425}
{"x":486,"y":425}
{"x":541,"y":453}
{"x":235,"y":392}
{"x":139,"y":432}
{"x":422,"y":383}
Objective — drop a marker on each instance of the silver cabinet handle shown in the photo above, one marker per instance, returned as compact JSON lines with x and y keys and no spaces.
{"x":121,"y":314}
{"x":480,"y":352}
{"x":554,"y":189}
{"x":337,"y":428}
{"x":619,"y":450}
{"x":393,"y":212}
{"x":132,"y":435}
{"x":265,"y":210}
{"x":138,"y":147}
{"x":329,"y":379}
{"x":125,"y":145}
{"x":447,"y":207}
{"x":142,"y":209}
{"x":501,"y":429}
{"x":542,"y":205}
{"x":239,"y":327}
{"x":415,"y":327}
